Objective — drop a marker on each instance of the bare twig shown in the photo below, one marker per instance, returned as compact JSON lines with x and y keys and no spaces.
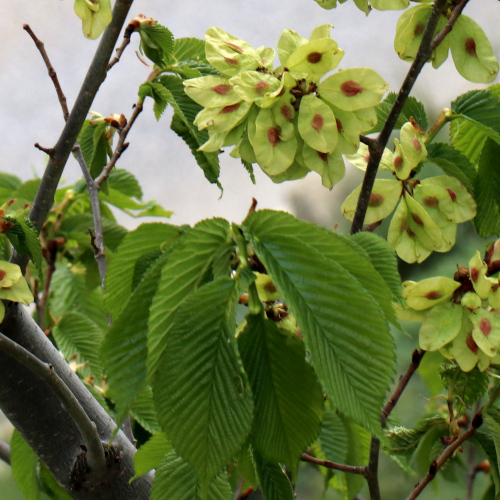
{"x":41,"y":301}
{"x":457,"y":10}
{"x":377,"y":147}
{"x":4,"y":452}
{"x":48,"y":151}
{"x":352,"y":469}
{"x":126,"y":40}
{"x":40,"y":46}
{"x":447,"y":453}
{"x":95,"y":453}
{"x":121,"y":146}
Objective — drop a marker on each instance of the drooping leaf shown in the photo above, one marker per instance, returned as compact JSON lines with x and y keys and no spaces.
{"x":487,"y":191}
{"x":183,"y":274}
{"x":150,"y":454}
{"x":287,"y":396}
{"x":143,"y":410}
{"x":157,"y":43}
{"x":144,"y":240}
{"x":24,"y":463}
{"x":383,"y":260}
{"x":327,"y":299}
{"x":274,"y":483}
{"x":333,"y":438}
{"x":452,"y":162}
{"x":485,"y":441}
{"x":210,"y":425}
{"x":491,"y":417}
{"x":125,"y":182}
{"x":411,"y":108}
{"x":50,"y":486}
{"x":78,"y":334}
{"x":124,"y":350}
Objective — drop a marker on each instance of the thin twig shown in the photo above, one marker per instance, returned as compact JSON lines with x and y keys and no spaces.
{"x":377,"y":148}
{"x":48,"y":151}
{"x":457,"y":10}
{"x":447,"y":453}
{"x":95,"y":453}
{"x":353,"y":469}
{"x":126,"y":40}
{"x":93,"y":189}
{"x":121,"y":146}
{"x":52,"y":73}
{"x":51,"y":267}
{"x":4,"y":452}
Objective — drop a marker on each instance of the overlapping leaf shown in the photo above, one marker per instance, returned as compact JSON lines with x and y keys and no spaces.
{"x":24,"y":464}
{"x":288,"y":398}
{"x":150,"y":454}
{"x":273,"y":481}
{"x":183,"y":273}
{"x":206,"y":407}
{"x":344,"y":328}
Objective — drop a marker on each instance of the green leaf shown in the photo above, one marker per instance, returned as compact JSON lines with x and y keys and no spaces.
{"x":26,"y":192}
{"x":287,"y":396}
{"x":182,"y":124}
{"x":485,"y":441}
{"x":77,"y":334}
{"x":157,"y":43}
{"x":8,"y":184}
{"x":382,"y":258}
{"x":411,"y":108}
{"x":160,"y":95}
{"x":491,"y":417}
{"x":144,"y":240}
{"x":482,"y":106}
{"x":487,"y":191}
{"x":150,"y":454}
{"x":24,"y":463}
{"x":124,"y":350}
{"x":125,"y":182}
{"x":309,"y":265}
{"x":143,"y":410}
{"x":50,"y":486}
{"x":187,"y":49}
{"x":183,"y":273}
{"x":452,"y":162}
{"x":175,"y":479}
{"x":274,"y":483}
{"x":402,"y":441}
{"x":207,"y":409}
{"x":467,"y":387}
{"x":333,"y":438}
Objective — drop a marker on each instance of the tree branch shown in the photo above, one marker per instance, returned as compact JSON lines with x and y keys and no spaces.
{"x":52,"y":73}
{"x":126,"y":40}
{"x":4,"y":452}
{"x":377,"y":148}
{"x":352,"y":469}
{"x":45,"y":371}
{"x":121,"y":146}
{"x":447,"y":453}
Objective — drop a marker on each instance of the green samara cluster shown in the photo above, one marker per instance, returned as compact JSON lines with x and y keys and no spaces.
{"x":285,"y":119}
{"x":461,"y":316}
{"x":428,"y":210}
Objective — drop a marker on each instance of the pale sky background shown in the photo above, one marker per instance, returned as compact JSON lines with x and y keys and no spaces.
{"x":29,"y":110}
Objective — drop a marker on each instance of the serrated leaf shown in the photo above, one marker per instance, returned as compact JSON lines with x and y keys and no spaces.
{"x":183,"y":274}
{"x":274,"y":483}
{"x":24,"y":464}
{"x":182,"y":124}
{"x":487,"y":191}
{"x":186,"y":49}
{"x":124,"y":350}
{"x":143,"y":410}
{"x":468,"y":387}
{"x":157,"y":42}
{"x":327,"y":301}
{"x":333,"y":438}
{"x":210,"y":425}
{"x":411,"y":108}
{"x":402,"y":441}
{"x":482,"y":106}
{"x":125,"y":182}
{"x":145,"y":239}
{"x":383,"y":260}
{"x":287,"y":396}
{"x":77,"y":334}
{"x":150,"y":454}
{"x":452,"y":162}
{"x":175,"y":479}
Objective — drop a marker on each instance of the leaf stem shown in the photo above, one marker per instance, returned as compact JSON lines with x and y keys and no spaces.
{"x":443,"y":118}
{"x":377,"y":147}
{"x":95,"y":453}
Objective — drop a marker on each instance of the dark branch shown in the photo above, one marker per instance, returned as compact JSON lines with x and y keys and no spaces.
{"x":46,"y":372}
{"x":377,"y":148}
{"x":4,"y":452}
{"x":447,"y":453}
{"x":52,"y":73}
{"x":126,"y":40}
{"x":352,"y":469}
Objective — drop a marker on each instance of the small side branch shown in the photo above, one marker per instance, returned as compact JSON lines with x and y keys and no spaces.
{"x":52,"y":73}
{"x":447,"y":453}
{"x":126,"y":40}
{"x":352,"y":469}
{"x":95,"y":453}
{"x":121,"y":146}
{"x":4,"y":452}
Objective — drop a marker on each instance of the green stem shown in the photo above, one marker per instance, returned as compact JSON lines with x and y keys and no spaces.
{"x":443,"y":118}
